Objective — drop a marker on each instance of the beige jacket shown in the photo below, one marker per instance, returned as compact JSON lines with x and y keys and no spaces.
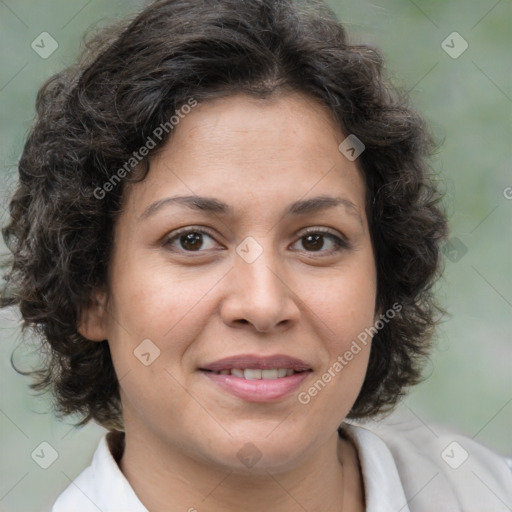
{"x":442,"y":471}
{"x":406,"y":467}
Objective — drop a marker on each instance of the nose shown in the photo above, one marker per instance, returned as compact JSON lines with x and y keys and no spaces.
{"x":260,"y":295}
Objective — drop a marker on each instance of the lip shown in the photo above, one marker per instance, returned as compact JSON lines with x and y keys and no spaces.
{"x":271,"y":362}
{"x":258,"y":390}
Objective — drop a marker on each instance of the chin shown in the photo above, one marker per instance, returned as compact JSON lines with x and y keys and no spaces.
{"x":262,"y":449}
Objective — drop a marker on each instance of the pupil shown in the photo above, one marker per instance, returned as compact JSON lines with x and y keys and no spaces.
{"x":191,"y":241}
{"x":315,"y":242}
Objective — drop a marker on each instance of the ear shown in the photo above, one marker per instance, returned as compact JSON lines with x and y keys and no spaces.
{"x":93,"y":318}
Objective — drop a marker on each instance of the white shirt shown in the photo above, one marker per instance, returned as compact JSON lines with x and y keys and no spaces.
{"x":398,"y":476}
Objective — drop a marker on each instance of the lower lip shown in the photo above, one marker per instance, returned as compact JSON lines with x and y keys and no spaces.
{"x":258,"y":390}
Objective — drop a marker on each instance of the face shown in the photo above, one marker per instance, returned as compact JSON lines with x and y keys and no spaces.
{"x":246,"y":247}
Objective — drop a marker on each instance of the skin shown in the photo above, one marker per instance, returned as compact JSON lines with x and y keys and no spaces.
{"x":183,"y":433}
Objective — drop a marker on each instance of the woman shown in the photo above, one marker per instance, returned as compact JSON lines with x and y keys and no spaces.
{"x":226,"y":235}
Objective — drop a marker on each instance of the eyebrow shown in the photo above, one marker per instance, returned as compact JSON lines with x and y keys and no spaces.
{"x":212,"y":205}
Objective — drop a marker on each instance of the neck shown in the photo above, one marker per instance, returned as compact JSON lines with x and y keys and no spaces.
{"x":163,"y":478}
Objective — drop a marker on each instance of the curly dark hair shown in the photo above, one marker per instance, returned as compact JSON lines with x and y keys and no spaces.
{"x":129,"y":80}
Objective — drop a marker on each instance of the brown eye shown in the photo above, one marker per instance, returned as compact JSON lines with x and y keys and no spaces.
{"x":322,"y":242}
{"x":313,"y":242}
{"x":190,"y":241}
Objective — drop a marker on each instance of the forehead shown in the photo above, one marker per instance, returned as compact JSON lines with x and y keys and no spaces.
{"x":250,"y":150}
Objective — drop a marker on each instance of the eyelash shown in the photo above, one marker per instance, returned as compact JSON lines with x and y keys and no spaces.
{"x":339,"y":243}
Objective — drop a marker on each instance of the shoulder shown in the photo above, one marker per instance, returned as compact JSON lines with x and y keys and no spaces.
{"x":102,"y":485}
{"x":442,"y":470}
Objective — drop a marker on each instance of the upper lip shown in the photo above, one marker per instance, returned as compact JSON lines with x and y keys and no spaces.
{"x":244,"y":361}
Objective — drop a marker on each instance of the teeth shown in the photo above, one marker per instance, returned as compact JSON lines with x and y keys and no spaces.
{"x":269,"y":374}
{"x":254,"y":374}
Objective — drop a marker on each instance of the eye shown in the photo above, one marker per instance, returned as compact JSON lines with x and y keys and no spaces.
{"x":197,"y":240}
{"x":322,"y":241}
{"x":190,"y":240}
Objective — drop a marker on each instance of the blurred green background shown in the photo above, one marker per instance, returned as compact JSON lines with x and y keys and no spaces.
{"x":468,"y":103}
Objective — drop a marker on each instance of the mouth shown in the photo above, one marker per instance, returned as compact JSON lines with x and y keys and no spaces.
{"x":251,"y":362}
{"x":256,"y":373}
{"x":257,"y":379}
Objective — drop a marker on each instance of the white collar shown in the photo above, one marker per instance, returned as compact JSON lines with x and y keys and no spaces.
{"x":102,"y":487}
{"x":383,"y":488}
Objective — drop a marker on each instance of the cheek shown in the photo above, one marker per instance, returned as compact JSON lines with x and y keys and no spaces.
{"x":345,"y":301}
{"x":153,"y":299}
{"x":345,"y":314}
{"x":168,"y":308}
{"x":345,"y":308}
